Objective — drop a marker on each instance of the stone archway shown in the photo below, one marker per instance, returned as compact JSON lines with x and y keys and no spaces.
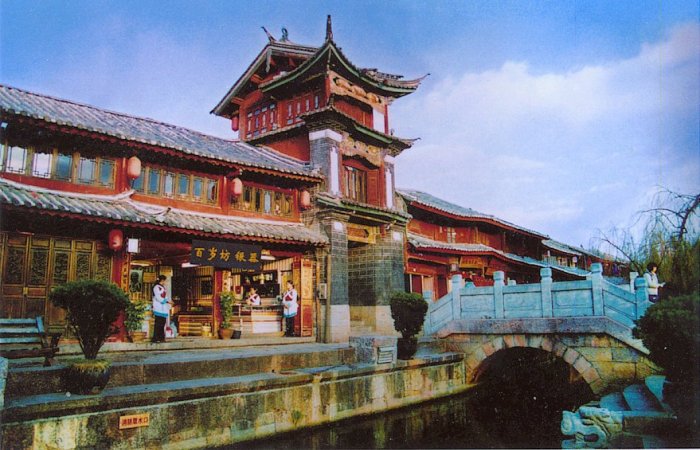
{"x":584,"y":368}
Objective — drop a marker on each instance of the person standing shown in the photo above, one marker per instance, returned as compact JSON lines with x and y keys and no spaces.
{"x":289,"y":301}
{"x":652,"y":280}
{"x":161,"y":307}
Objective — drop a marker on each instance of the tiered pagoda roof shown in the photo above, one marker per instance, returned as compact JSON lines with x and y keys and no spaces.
{"x":316,"y":60}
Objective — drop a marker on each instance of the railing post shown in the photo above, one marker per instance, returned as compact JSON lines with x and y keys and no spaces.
{"x":498,"y":284}
{"x":633,"y":277}
{"x":456,"y":296}
{"x":641,"y":296}
{"x":546,"y":284}
{"x":597,"y":280}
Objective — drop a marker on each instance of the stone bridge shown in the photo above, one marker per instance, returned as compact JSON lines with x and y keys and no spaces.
{"x":586,"y":323}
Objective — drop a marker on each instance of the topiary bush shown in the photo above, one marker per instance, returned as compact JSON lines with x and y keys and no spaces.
{"x":91,"y":307}
{"x":670,"y":330}
{"x":408,"y":310}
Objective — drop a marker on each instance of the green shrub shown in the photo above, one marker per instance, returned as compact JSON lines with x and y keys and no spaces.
{"x":670,"y":330}
{"x":408,"y":310}
{"x":226,"y":302}
{"x":91,"y":309}
{"x":134,"y":314}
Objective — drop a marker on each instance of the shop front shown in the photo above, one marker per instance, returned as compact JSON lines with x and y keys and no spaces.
{"x":199,"y":271}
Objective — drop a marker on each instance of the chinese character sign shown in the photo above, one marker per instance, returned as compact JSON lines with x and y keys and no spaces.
{"x":225,"y":255}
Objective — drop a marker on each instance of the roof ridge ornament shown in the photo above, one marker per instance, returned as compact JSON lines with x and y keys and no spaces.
{"x":329,"y":29}
{"x":285,"y":35}
{"x":269,"y":36}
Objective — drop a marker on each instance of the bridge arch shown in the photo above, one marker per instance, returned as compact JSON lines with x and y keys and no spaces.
{"x":477,"y":361}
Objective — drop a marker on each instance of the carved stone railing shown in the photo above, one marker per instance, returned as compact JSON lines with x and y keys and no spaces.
{"x":593,"y":297}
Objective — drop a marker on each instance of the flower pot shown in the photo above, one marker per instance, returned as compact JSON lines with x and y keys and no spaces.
{"x":236,"y":334}
{"x":137,"y":336}
{"x":406,"y":347}
{"x":86,"y":376}
{"x":225,"y":333}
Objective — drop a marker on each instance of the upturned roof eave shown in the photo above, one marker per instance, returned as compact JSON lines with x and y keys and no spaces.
{"x":220,"y":108}
{"x":360,"y":75}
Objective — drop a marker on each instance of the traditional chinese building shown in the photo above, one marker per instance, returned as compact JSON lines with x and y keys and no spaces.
{"x":315,"y":105}
{"x":88,"y":193}
{"x":306,"y":194}
{"x":444,"y":238}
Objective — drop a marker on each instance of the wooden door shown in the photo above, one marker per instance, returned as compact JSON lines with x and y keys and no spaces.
{"x":25,"y":275}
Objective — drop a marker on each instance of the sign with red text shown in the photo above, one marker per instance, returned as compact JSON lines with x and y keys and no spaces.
{"x":134,"y":421}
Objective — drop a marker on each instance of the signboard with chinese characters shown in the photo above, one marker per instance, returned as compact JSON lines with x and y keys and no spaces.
{"x":226,"y":255}
{"x":134,"y":421}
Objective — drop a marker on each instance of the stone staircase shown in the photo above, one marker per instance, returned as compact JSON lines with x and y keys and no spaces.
{"x":637,"y":417}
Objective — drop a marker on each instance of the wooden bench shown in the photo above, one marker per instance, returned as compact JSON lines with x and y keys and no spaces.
{"x":26,"y":338}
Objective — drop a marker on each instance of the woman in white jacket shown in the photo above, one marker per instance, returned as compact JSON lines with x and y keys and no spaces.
{"x":653,"y":284}
{"x":289,"y":301}
{"x":161,"y":307}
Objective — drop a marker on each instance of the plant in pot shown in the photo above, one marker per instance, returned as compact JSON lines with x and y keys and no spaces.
{"x":91,"y":307}
{"x":226,"y":302}
{"x":408,"y":310}
{"x":133,"y":320}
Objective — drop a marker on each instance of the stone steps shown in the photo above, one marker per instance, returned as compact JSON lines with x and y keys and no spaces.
{"x":140,"y":368}
{"x":640,"y":398}
{"x":645,"y":418}
{"x":655,"y":385}
{"x":614,"y":402}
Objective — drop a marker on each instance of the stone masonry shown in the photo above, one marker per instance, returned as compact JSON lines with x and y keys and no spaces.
{"x":603,"y":361}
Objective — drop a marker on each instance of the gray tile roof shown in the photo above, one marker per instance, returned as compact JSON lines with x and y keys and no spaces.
{"x":147,"y":131}
{"x":122,"y":208}
{"x":559,"y":246}
{"x":429,"y":200}
{"x":422,"y":242}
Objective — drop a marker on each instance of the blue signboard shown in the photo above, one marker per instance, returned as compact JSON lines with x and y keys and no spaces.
{"x":225,"y":255}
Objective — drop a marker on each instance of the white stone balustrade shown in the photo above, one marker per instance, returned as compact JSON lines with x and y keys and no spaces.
{"x":593,"y":297}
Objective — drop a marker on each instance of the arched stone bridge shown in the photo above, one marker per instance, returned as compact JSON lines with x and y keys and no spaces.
{"x":587,"y":323}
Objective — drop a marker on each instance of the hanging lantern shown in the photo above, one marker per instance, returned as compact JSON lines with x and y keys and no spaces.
{"x":234,"y":123}
{"x":305,"y":199}
{"x":236,"y":188}
{"x":133,"y":168}
{"x":115,"y":239}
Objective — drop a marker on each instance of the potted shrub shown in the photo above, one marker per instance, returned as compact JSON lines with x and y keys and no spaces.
{"x":226,"y":303}
{"x":408,"y":310}
{"x":91,"y":307}
{"x":133,"y":320}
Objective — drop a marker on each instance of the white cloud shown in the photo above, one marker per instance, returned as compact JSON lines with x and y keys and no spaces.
{"x":563,"y":153}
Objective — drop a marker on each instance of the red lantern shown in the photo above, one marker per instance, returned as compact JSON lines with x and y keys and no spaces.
{"x":133,"y":168}
{"x":236,"y":187}
{"x":305,"y":199}
{"x":234,"y":123}
{"x":116,"y":239}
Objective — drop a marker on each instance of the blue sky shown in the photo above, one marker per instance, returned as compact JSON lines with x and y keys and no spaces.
{"x":561,"y":116}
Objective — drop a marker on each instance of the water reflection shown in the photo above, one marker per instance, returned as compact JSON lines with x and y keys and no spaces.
{"x":517,"y":404}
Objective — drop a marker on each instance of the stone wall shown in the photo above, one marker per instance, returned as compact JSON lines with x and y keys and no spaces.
{"x":374,"y":272}
{"x":254,"y":406}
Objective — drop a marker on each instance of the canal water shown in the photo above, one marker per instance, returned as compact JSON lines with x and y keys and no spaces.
{"x":517,"y":405}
